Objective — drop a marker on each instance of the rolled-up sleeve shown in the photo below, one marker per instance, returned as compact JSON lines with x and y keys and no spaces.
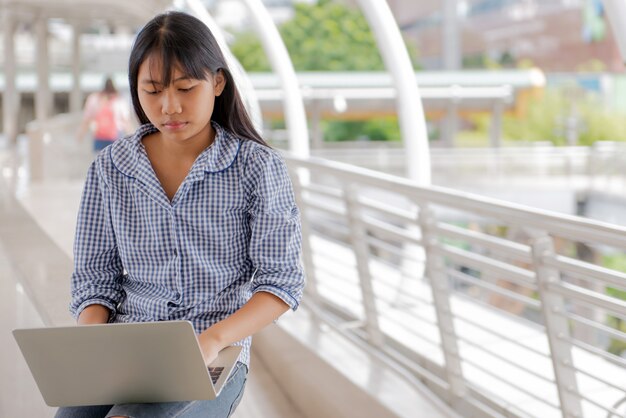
{"x":276,"y":238}
{"x":98,"y":270}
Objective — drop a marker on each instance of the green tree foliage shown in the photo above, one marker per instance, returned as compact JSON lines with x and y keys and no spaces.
{"x":546,"y":117}
{"x":329,"y":36}
{"x":540,"y":121}
{"x":378,"y":129}
{"x":249,"y":52}
{"x":601,"y":123}
{"x":326,"y":36}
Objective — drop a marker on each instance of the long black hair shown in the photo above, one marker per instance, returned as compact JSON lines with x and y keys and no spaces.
{"x":183,"y":41}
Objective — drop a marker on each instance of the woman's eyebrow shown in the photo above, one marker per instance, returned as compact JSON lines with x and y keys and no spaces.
{"x":150,"y":81}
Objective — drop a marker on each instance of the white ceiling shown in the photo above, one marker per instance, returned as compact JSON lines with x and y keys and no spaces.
{"x":85,"y":12}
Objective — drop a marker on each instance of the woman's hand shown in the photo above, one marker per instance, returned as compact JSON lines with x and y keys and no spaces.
{"x":258,"y":312}
{"x":209,"y":346}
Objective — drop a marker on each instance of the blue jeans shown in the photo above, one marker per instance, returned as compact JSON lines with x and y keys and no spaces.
{"x":221,"y":407}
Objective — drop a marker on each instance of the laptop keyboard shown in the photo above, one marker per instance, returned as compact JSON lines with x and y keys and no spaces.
{"x":215,"y":373}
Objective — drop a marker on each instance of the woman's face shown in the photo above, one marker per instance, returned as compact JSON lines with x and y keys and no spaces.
{"x":182,"y":110}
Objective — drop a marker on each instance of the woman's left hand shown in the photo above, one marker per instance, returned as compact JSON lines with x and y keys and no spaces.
{"x":209,"y":347}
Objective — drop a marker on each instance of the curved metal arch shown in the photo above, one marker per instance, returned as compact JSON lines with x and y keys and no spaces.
{"x":408,"y":100}
{"x":241,"y":78}
{"x":276,"y":51}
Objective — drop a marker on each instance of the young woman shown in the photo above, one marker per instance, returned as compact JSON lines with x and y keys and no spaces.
{"x":192,"y":217}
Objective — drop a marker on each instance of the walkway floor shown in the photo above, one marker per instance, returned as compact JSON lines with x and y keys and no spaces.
{"x":19,"y":396}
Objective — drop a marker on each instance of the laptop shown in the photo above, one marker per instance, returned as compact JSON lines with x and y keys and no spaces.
{"x":122,"y":363}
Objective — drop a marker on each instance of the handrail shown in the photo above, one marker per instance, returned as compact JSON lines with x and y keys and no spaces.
{"x":569,"y":226}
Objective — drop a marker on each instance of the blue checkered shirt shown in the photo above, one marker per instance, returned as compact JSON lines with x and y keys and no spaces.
{"x":231,"y":230}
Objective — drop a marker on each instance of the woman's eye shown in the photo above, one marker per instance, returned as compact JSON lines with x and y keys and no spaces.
{"x":185,"y":90}
{"x":151,"y":92}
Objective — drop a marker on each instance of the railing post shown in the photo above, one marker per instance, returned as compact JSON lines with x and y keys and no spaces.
{"x":307,"y":247}
{"x":557,"y":328}
{"x":436,"y":274}
{"x":358,"y":237}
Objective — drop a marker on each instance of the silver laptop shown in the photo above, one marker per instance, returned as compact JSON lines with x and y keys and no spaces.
{"x":122,"y":363}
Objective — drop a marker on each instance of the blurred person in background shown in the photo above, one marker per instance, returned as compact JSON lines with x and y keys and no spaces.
{"x":107,"y":114}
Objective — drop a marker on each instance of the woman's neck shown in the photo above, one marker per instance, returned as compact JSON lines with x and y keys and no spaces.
{"x":187,"y":150}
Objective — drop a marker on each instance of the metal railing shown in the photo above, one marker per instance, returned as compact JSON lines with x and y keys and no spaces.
{"x":501,"y":310}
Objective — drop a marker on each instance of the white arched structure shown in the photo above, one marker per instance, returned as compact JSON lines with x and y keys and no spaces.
{"x":410,"y":110}
{"x":295,"y":115}
{"x":241,"y":79}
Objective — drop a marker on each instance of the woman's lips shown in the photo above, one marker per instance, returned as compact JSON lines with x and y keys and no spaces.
{"x":175,"y":125}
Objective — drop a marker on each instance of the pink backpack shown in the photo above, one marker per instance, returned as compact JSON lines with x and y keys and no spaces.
{"x":106,"y":125}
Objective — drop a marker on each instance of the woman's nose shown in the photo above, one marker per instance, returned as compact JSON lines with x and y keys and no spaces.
{"x":171,"y":105}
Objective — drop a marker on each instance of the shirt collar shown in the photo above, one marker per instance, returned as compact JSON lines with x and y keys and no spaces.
{"x":125,"y":153}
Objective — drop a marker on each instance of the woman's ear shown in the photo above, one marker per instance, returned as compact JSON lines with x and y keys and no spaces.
{"x":219,"y":82}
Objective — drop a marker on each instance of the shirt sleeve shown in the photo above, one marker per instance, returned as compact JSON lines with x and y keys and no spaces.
{"x":276,"y":238}
{"x":98,"y":270}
